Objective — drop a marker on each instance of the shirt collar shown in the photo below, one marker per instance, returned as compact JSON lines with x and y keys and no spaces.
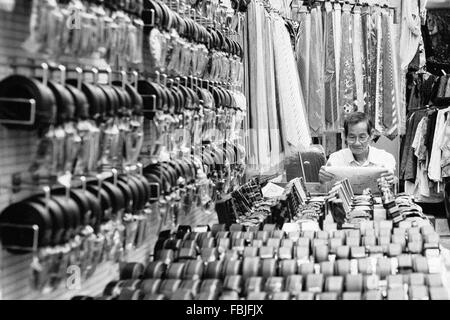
{"x":351,"y":159}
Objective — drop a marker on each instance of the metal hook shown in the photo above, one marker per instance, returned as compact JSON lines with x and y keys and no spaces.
{"x":107,"y":71}
{"x":63,"y":74}
{"x":123,"y":76}
{"x":140,"y":167}
{"x":67,"y":189}
{"x":47,"y":192}
{"x":94,"y":72}
{"x":136,"y":79}
{"x":83,"y":183}
{"x":45,"y":73}
{"x":114,"y":173}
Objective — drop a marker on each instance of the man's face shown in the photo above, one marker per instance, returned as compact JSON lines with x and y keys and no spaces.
{"x":358,"y":139}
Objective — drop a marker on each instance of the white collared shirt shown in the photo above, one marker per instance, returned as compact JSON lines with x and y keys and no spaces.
{"x":376,"y":158}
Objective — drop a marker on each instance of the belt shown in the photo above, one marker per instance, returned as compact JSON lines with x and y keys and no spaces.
{"x":81,"y":103}
{"x":17,"y":86}
{"x":64,"y":102}
{"x":132,"y":271}
{"x":72,"y":215}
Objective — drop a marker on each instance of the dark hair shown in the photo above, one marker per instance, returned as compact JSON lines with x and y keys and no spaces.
{"x":355,"y":118}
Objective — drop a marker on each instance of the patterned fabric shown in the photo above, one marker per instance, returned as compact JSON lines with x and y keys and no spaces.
{"x":372,"y":70}
{"x":365,"y":16}
{"x":347,"y":76}
{"x":445,"y":147}
{"x":358,"y":58}
{"x":379,"y":103}
{"x":331,"y":109}
{"x":390,"y":119}
{"x":316,"y":81}
{"x":302,"y":51}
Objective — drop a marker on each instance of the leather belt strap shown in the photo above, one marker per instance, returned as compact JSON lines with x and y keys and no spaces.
{"x":182,"y":294}
{"x":192,"y":286}
{"x":274,"y":285}
{"x":253,"y":284}
{"x":132,"y":271}
{"x":166,"y":255}
{"x":187,"y":253}
{"x":232,"y":267}
{"x":250,"y":251}
{"x":17,"y":86}
{"x":233,"y":283}
{"x":169,"y":286}
{"x":128,"y":294}
{"x":269,"y":268}
{"x":214,"y":270}
{"x":285,"y":253}
{"x":209,"y":254}
{"x":306,"y":268}
{"x":327,"y":268}
{"x":57,"y":218}
{"x":155,"y":269}
{"x":354,"y":283}
{"x":27,"y":213}
{"x":314,"y":283}
{"x":175,"y":270}
{"x":334,"y":284}
{"x":193,"y":270}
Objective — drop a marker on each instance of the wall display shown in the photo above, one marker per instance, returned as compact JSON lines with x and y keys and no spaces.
{"x":347,"y":61}
{"x":134,"y":113}
{"x":278,"y":125}
{"x":367,"y":256}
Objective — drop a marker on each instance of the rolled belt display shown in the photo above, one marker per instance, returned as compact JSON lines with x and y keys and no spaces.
{"x":21,"y":87}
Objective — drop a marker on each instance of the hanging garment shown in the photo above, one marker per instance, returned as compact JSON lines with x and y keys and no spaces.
{"x":445,"y":147}
{"x":442,"y":86}
{"x":259,"y":153}
{"x":316,"y":82}
{"x":379,"y":76}
{"x":410,"y":32}
{"x":347,"y":75}
{"x":303,"y":51}
{"x":289,"y":90}
{"x":372,"y":61}
{"x":331,"y":99}
{"x":390,"y":118}
{"x":447,"y":89}
{"x":421,"y":183}
{"x":358,"y":58}
{"x":274,"y":134}
{"x":432,"y":118}
{"x":434,"y":168}
{"x":365,"y":33}
{"x":337,"y":23}
{"x":408,"y":163}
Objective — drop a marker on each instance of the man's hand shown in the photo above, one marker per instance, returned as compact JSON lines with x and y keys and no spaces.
{"x":389,"y":177}
{"x":325,"y":176}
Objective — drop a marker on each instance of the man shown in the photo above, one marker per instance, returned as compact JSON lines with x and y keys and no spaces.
{"x":359,"y":132}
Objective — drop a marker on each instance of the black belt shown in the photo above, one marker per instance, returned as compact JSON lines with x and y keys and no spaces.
{"x":17,"y":86}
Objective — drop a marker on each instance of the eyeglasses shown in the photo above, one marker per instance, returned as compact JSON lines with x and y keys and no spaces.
{"x":362,"y":139}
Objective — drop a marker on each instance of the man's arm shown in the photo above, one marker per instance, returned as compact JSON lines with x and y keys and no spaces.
{"x":325,"y":176}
